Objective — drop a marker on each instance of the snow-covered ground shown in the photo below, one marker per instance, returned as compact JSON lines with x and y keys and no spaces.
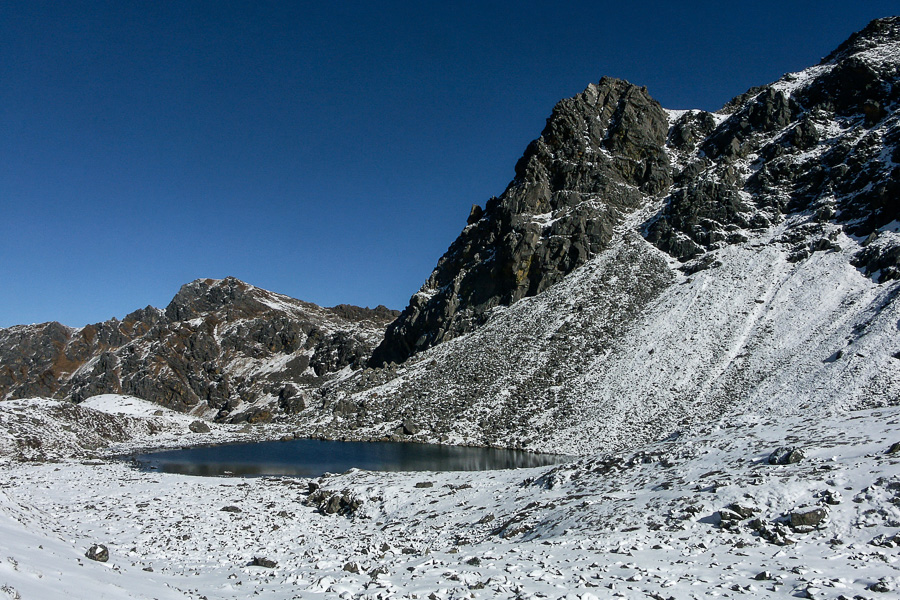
{"x":646,"y":524}
{"x":41,"y":429}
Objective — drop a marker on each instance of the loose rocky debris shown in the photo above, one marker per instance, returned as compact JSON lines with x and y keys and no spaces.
{"x":697,"y":515}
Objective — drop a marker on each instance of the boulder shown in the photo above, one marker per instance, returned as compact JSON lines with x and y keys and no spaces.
{"x":259,"y":561}
{"x":199,"y":427}
{"x":409,"y":427}
{"x":98,"y":552}
{"x":786,"y":456}
{"x":808,"y":518}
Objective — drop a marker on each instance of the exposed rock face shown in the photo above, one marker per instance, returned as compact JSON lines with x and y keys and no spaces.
{"x":219,"y":347}
{"x":600,"y":156}
{"x":824,"y":140}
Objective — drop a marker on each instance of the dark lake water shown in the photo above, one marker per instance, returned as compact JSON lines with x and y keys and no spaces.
{"x":311,"y":458}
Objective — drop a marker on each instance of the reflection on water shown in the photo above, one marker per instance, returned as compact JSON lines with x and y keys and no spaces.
{"x":311,"y":458}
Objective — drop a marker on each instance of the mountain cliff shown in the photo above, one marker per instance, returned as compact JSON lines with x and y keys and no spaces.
{"x":601,"y":155}
{"x":221,"y":348}
{"x":648,"y":269}
{"x":823,"y":140}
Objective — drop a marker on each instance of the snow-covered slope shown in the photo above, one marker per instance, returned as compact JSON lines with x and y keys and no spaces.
{"x":40,"y":429}
{"x":704,"y":515}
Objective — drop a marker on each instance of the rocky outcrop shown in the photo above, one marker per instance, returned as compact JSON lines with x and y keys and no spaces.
{"x":219,"y":348}
{"x":822,"y":142}
{"x":600,"y":156}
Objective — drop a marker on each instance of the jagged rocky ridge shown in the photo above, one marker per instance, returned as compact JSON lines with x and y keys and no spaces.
{"x":649,"y":269}
{"x":221,"y":348}
{"x":824,"y":140}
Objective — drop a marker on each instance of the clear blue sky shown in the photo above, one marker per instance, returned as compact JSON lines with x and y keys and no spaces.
{"x":328,"y":151}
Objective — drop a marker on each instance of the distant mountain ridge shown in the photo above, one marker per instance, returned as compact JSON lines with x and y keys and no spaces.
{"x":220,"y":348}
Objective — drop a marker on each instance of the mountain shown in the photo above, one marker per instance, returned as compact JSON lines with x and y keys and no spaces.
{"x":221,"y":348}
{"x":647,"y":269}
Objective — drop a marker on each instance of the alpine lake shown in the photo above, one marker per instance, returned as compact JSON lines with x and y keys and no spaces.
{"x":313,"y":458}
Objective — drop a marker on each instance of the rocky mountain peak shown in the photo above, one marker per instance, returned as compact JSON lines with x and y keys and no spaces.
{"x":222,"y":348}
{"x":615,"y":125}
{"x":600,"y":155}
{"x":817,"y":150}
{"x":206,"y":295}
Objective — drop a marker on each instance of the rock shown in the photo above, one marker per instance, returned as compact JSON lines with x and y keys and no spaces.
{"x":98,"y":552}
{"x":259,"y":561}
{"x":786,"y":456}
{"x":831,"y":497}
{"x":728,"y":516}
{"x":424,"y":484}
{"x":894,"y":449}
{"x":198,"y":427}
{"x":334,"y":503}
{"x":808,"y":518}
{"x":763,"y":576}
{"x":378,"y":571}
{"x":231,"y":509}
{"x":474,"y":215}
{"x":774,"y":533}
{"x":744,"y":512}
{"x":409,"y":427}
{"x":351,"y":567}
{"x":883,"y":586}
{"x":885,"y":541}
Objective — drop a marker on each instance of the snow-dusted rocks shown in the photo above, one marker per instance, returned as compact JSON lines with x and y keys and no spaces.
{"x":637,"y":524}
{"x":221,"y":349}
{"x":98,"y":552}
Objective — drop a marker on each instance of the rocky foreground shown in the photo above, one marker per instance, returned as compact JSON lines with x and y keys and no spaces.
{"x":743,"y":507}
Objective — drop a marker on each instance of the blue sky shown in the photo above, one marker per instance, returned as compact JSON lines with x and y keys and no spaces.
{"x":328,"y":151}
